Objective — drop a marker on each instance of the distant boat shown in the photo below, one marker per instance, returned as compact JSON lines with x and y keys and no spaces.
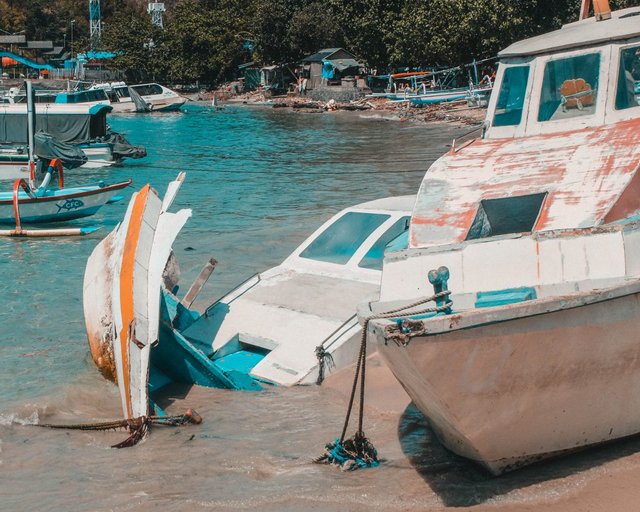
{"x":149,"y":97}
{"x":81,"y":124}
{"x":524,"y":248}
{"x":32,"y":203}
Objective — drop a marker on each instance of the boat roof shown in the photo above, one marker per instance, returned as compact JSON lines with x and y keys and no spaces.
{"x":396,"y":203}
{"x":624,"y":24}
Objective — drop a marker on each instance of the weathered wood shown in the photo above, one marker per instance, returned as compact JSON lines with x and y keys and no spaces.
{"x":200,"y":281}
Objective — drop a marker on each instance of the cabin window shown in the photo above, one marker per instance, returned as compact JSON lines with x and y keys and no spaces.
{"x":374,"y":256}
{"x":511,"y":98}
{"x":339,"y":242}
{"x":569,"y":87}
{"x":506,"y":215}
{"x":628,"y":94}
{"x":122,"y":92}
{"x":147,"y":89}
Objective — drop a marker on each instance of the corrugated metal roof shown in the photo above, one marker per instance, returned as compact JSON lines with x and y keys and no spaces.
{"x":624,"y":24}
{"x":325,"y":54}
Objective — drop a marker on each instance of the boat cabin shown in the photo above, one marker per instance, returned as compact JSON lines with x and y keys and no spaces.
{"x":561,"y":143}
{"x":583,"y":75}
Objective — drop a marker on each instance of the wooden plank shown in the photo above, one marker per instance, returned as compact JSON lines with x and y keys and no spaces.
{"x":200,"y":281}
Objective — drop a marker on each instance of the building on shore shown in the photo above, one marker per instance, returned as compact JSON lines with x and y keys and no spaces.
{"x":332,"y":73}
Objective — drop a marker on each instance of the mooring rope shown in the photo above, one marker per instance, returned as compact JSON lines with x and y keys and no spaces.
{"x":359,"y":452}
{"x":138,"y":427}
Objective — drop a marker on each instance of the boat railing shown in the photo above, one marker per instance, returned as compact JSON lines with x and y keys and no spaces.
{"x":257,"y":277}
{"x":338,"y":332}
{"x":467,"y":138}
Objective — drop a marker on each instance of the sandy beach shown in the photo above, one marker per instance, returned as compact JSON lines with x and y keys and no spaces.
{"x":596,"y":479}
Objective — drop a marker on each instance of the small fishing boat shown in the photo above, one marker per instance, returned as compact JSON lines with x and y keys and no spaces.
{"x":526,"y":244}
{"x":47,"y":204}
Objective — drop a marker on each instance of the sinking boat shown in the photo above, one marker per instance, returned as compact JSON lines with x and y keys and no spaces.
{"x":292,"y":324}
{"x":527,"y":243}
{"x":269,"y":330}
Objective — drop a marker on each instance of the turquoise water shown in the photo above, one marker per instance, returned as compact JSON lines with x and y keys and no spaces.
{"x":258,"y":181}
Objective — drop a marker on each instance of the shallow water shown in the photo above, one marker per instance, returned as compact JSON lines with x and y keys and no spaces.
{"x":259,"y":181}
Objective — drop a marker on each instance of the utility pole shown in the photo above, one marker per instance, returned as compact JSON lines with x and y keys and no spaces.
{"x":73,"y":22}
{"x":155,"y":10}
{"x":94,"y":24}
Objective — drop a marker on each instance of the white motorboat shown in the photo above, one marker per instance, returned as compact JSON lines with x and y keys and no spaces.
{"x":534,"y":228}
{"x":149,"y":97}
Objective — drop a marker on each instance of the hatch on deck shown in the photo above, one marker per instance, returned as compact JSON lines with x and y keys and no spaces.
{"x":506,"y":215}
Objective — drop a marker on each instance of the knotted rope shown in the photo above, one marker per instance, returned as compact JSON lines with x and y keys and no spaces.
{"x":358,"y":452}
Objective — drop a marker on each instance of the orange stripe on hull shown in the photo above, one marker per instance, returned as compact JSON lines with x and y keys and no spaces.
{"x":126,"y":286}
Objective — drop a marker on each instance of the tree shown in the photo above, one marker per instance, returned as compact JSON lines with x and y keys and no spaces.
{"x":313,"y":27}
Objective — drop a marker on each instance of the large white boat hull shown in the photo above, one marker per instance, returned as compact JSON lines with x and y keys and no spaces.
{"x":510,"y":385}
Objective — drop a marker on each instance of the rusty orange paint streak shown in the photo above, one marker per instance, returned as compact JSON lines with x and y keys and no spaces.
{"x":126,"y":286}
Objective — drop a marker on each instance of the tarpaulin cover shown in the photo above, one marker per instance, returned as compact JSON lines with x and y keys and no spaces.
{"x":122,"y":149}
{"x":328,"y":70}
{"x":48,"y":148}
{"x":70,"y":128}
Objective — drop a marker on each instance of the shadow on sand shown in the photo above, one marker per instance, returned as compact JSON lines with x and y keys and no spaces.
{"x":462,"y":483}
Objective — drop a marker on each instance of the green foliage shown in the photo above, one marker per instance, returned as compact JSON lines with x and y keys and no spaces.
{"x":203,"y":39}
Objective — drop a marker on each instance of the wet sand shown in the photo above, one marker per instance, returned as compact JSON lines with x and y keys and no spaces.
{"x":595,"y":479}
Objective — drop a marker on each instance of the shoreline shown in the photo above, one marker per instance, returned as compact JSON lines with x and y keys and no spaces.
{"x":455,"y":112}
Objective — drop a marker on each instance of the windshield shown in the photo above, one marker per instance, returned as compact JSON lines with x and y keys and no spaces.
{"x":374,"y":256}
{"x":628,"y":94}
{"x":569,"y":87}
{"x":340,"y":241}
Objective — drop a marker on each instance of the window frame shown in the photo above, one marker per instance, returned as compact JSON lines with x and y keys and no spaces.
{"x":515,"y":130}
{"x":613,"y":115}
{"x":598,"y":88}
{"x":535,"y":127}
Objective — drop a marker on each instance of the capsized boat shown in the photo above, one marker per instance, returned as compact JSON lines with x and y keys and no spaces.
{"x":530,"y":236}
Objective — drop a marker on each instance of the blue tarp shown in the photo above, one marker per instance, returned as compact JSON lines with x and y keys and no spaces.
{"x":328,"y":71}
